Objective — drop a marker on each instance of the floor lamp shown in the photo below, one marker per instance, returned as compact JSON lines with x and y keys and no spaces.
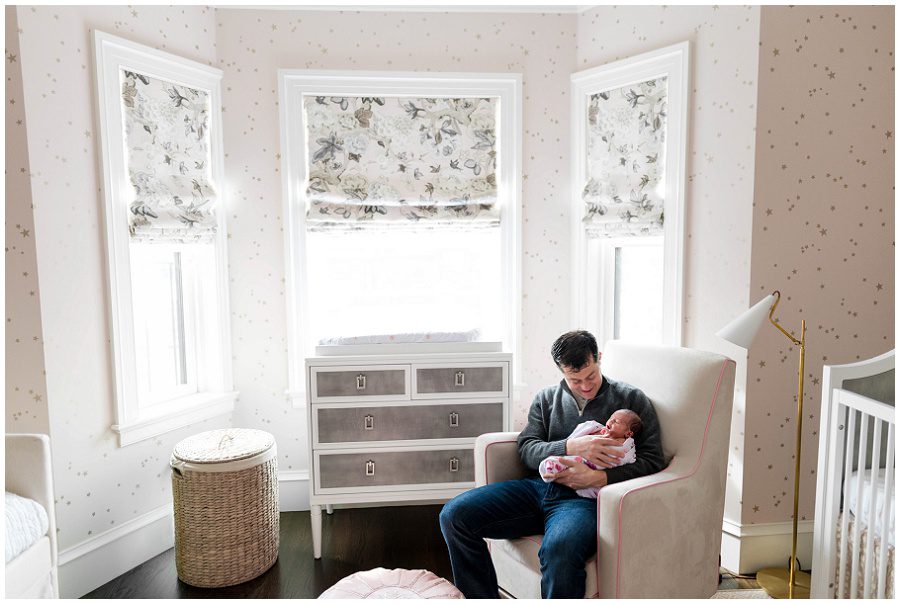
{"x":778,"y":582}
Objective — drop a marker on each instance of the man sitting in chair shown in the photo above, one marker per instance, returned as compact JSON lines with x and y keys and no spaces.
{"x":529,"y":506}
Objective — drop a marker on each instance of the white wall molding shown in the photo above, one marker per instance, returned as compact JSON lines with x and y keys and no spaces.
{"x":91,"y":563}
{"x":293,"y":491}
{"x":99,"y":559}
{"x":747,"y":548}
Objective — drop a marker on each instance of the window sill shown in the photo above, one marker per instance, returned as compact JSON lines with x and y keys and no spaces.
{"x":172,"y":415}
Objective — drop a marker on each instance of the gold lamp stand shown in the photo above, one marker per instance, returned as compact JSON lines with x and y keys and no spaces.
{"x":790,"y":582}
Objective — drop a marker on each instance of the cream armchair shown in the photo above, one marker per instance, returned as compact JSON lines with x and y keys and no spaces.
{"x":658,"y":536}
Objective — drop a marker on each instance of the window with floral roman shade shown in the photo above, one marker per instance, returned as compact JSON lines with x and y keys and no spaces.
{"x":625,"y":186}
{"x":400,"y":162}
{"x":168,"y":159}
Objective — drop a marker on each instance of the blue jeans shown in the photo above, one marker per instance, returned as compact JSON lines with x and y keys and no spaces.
{"x":516,"y":508}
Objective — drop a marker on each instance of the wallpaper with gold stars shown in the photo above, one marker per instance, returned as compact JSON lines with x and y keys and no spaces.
{"x":98,"y":485}
{"x":253,"y":45}
{"x":26,"y":390}
{"x":719,"y":164}
{"x":823,"y":228}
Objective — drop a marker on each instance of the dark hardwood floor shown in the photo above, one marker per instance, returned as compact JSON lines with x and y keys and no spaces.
{"x":352,"y":540}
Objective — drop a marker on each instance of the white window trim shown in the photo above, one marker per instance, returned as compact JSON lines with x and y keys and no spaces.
{"x":132,"y":423}
{"x":671,"y":62}
{"x":294,"y":83}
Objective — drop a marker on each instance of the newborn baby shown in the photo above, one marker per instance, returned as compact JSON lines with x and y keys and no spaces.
{"x":622,"y":425}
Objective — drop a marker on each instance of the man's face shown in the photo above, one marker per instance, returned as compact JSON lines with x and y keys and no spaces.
{"x":585,"y":381}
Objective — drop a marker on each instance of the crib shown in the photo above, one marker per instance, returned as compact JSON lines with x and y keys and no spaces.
{"x":853,"y":535}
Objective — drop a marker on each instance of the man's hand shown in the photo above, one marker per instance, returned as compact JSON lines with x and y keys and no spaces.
{"x":599,"y":450}
{"x":579,"y":476}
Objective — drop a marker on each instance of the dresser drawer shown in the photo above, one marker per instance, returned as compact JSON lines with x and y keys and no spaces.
{"x":463,"y":380}
{"x":377,"y":423}
{"x":358,"y":471}
{"x":387,"y":382}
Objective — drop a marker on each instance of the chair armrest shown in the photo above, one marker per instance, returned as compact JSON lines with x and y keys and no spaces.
{"x":635,"y":516}
{"x":497,"y":458}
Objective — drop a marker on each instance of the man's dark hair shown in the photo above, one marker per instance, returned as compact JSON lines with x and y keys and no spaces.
{"x":574,"y":349}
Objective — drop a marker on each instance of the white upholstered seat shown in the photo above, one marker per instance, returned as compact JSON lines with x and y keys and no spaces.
{"x":658,"y":535}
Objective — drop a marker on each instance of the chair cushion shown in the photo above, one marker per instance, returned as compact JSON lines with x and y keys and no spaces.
{"x":518,"y":567}
{"x":398,"y":583}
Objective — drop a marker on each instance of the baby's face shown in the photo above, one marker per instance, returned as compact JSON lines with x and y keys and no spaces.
{"x":618,"y":426}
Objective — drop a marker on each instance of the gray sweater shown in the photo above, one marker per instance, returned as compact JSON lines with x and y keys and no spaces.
{"x":554,"y":414}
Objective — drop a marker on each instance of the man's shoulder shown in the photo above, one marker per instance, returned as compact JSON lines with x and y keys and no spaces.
{"x":550,"y":393}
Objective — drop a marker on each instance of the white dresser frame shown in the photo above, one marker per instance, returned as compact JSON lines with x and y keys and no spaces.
{"x":410,"y":493}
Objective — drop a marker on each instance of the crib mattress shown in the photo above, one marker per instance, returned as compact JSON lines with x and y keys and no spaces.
{"x":846,"y":550}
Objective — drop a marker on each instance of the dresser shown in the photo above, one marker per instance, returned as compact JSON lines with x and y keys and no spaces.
{"x":399,"y":428}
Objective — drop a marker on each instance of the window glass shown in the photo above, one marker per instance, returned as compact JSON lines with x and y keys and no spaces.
{"x":639,"y":293}
{"x":163,"y":322}
{"x":396,"y":281}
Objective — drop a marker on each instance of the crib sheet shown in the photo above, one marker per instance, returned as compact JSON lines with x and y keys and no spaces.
{"x":861,"y":566}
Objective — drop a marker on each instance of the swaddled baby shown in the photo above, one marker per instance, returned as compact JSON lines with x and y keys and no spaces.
{"x":622,"y":425}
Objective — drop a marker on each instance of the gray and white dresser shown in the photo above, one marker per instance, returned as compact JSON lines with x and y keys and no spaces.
{"x":399,"y":428}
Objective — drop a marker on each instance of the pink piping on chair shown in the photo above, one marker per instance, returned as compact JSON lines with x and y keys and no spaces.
{"x":627,"y":493}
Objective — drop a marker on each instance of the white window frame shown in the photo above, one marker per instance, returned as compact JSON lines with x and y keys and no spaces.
{"x":214,"y":395}
{"x":590,"y":283}
{"x":294,"y":84}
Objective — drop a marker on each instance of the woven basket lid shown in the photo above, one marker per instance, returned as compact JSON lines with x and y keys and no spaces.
{"x":229,"y":444}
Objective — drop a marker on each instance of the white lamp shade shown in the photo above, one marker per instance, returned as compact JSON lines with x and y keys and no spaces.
{"x":744,"y":328}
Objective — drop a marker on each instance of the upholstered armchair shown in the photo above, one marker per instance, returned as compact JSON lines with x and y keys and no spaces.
{"x":658,"y":535}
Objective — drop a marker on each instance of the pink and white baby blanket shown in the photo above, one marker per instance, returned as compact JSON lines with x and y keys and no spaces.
{"x":551,"y":466}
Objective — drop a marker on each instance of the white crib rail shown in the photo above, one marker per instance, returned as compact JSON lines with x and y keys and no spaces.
{"x":849,"y":411}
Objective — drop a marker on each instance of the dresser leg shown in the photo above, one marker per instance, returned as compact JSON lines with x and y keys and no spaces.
{"x":329,"y":509}
{"x":315,"y":515}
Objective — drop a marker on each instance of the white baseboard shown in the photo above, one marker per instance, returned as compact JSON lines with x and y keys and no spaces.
{"x":747,"y":548}
{"x":92,"y":563}
{"x":293,"y":491}
{"x":100,"y":559}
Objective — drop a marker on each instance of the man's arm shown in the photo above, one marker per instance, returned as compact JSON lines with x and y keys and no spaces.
{"x":533,"y":442}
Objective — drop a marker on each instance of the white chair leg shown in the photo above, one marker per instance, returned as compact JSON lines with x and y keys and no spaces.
{"x":315,"y":515}
{"x":329,"y":509}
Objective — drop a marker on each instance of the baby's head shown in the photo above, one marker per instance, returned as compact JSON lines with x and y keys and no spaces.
{"x":623,"y":423}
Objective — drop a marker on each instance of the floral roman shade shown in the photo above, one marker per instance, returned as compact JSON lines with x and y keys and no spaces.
{"x":625,"y":189}
{"x":401,"y":162}
{"x":168,"y":157}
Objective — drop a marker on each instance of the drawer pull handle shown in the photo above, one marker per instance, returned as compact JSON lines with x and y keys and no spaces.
{"x":454,"y":420}
{"x":460,"y":378}
{"x":369,"y":423}
{"x":454,"y":464}
{"x":361,"y":381}
{"x":370,"y":468}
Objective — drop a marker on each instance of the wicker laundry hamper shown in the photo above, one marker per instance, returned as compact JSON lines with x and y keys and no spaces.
{"x":225,"y":490}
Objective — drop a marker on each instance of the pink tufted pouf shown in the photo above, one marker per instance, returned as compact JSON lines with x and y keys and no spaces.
{"x":397,"y":583}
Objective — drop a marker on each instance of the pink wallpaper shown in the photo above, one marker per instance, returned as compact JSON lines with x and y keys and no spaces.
{"x":253,"y":45}
{"x":720,"y":145}
{"x":98,"y":485}
{"x":26,"y":388}
{"x":823,"y":227}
